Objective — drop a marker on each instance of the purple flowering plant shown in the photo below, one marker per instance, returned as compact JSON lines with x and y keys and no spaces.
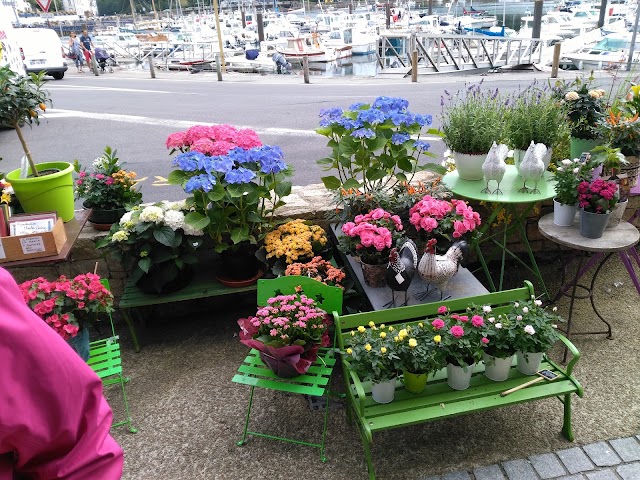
{"x":236,"y":184}
{"x":374,"y":147}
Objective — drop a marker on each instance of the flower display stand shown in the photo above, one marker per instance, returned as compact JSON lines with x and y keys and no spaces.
{"x":104,"y":360}
{"x":438,"y":400}
{"x":316,"y":381}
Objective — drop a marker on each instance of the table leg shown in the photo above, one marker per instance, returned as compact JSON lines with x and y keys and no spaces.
{"x":624,"y":256}
{"x":593,"y":305}
{"x":534,"y":264}
{"x":573,"y":299}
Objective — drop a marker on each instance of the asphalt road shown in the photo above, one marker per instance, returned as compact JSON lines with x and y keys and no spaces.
{"x":134,"y":114}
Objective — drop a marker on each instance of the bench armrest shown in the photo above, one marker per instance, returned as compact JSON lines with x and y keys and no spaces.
{"x":575,"y":354}
{"x":357,"y":384}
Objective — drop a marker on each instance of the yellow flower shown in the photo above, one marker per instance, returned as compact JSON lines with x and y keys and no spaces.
{"x":437,"y":339}
{"x":383,"y":335}
{"x":353,"y":332}
{"x":397,"y":339}
{"x":349,"y":351}
{"x":420,"y":325}
{"x":413,"y":342}
{"x":382,"y":325}
{"x":367,"y":347}
{"x":403,"y":333}
{"x":391,"y":329}
{"x":371,"y":324}
{"x":383,"y":350}
{"x":361,"y":329}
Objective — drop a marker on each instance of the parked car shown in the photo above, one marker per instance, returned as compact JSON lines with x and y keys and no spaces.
{"x":40,"y":49}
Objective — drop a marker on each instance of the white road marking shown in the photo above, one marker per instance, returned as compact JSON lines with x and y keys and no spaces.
{"x":114,"y":89}
{"x":183,"y":124}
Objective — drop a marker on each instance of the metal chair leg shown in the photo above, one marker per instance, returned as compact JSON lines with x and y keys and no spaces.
{"x":246,"y":421}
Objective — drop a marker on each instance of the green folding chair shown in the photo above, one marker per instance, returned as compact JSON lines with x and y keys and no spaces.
{"x":104,"y":360}
{"x":317,"y":381}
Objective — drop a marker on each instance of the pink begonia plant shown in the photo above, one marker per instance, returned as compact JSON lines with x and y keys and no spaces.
{"x":212,"y":140}
{"x":444,"y":217}
{"x":371,"y":236}
{"x":289,"y":329}
{"x":59,"y":302}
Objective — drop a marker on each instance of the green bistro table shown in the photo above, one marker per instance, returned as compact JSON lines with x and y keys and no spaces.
{"x":517,"y":205}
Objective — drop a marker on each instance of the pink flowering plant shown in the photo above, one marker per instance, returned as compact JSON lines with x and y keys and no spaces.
{"x":236,"y":183}
{"x":598,"y":196}
{"x":371,"y":236}
{"x":109,"y":186}
{"x":290,"y":328}
{"x":460,"y":339}
{"x":535,"y":328}
{"x":450,"y":218}
{"x":67,"y":304}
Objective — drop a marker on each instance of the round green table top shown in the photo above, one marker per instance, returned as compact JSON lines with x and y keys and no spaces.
{"x":511,"y":183}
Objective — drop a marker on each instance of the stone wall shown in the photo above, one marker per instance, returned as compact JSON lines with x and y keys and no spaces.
{"x":311,"y":202}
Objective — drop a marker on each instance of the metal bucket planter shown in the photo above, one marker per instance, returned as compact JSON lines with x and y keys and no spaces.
{"x":592,"y":225}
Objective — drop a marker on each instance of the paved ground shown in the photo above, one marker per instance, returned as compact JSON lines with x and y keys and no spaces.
{"x":190,"y":414}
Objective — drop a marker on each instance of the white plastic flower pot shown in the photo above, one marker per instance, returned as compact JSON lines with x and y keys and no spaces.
{"x":468,"y":166}
{"x":529,"y":363}
{"x":564,"y":215}
{"x":458,"y":377}
{"x":497,"y":369}
{"x":384,"y":392}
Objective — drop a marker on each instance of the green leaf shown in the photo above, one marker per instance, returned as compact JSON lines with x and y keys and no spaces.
{"x":283,"y":188}
{"x":240,"y":234}
{"x":235,"y":191}
{"x":144,"y":264}
{"x":165,"y":236}
{"x":325,"y":161}
{"x":405,"y":164}
{"x":351,"y":183}
{"x":326,"y":131}
{"x":435,"y":168}
{"x":331,"y":182}
{"x":196,"y":220}
{"x":376,"y":143}
{"x":374,"y":174}
{"x":178,"y":177}
{"x":217,"y":194}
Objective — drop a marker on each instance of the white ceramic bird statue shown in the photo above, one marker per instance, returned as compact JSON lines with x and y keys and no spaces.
{"x":532,"y":166}
{"x":494,"y":166}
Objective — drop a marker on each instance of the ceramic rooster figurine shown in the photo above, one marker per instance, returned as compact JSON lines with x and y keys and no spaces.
{"x":401,"y":269}
{"x":495,"y":166}
{"x":439,"y":269}
{"x":532,"y":166}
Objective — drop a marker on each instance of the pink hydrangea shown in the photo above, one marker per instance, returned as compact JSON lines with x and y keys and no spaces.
{"x":176,"y":140}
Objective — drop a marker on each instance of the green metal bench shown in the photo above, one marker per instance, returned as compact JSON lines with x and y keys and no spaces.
{"x":439,"y":400}
{"x":316,"y":382}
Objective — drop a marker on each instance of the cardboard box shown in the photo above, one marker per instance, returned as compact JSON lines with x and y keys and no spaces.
{"x":36,"y":245}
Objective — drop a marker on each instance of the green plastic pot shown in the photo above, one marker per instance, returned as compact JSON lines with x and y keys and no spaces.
{"x":414,"y":382}
{"x":579,"y":145}
{"x":46,"y":192}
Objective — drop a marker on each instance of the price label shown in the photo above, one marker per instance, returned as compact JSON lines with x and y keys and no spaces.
{"x":2,"y":254}
{"x":32,"y":245}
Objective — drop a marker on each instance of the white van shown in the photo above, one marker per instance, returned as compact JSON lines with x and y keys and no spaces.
{"x":41,"y":50}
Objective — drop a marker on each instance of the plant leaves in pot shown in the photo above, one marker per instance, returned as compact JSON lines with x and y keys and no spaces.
{"x":48,"y":186}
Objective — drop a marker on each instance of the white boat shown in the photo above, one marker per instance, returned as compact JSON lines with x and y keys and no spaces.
{"x":311,"y":46}
{"x":360,"y":43}
{"x":610,"y":52}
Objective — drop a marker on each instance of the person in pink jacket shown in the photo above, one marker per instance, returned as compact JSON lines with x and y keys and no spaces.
{"x":54,"y":420}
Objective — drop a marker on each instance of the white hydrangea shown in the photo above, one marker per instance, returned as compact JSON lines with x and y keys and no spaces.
{"x":126,"y":218}
{"x":120,"y":236}
{"x":189,"y":230}
{"x":178,"y":205}
{"x":174,"y":219}
{"x":152,"y":214}
{"x":529,"y":329}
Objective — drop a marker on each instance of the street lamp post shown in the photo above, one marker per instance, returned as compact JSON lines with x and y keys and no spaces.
{"x":633,"y":38}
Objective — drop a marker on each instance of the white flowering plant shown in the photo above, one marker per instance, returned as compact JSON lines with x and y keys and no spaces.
{"x":533,"y":328}
{"x":155,"y":241}
{"x":569,"y":174}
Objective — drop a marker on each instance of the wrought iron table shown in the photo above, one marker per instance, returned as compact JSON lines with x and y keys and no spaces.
{"x":517,"y":207}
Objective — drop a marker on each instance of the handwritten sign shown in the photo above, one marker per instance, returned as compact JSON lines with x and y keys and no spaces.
{"x":31,"y":226}
{"x":32,"y":245}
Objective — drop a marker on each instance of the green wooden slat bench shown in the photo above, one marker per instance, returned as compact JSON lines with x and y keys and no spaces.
{"x":202,"y":286}
{"x":316,"y":382}
{"x":438,"y":400}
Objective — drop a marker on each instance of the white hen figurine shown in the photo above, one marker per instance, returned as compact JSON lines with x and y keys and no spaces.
{"x":494,"y":166}
{"x":532,"y":166}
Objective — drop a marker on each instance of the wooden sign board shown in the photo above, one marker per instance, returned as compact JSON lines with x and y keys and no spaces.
{"x":35,"y":245}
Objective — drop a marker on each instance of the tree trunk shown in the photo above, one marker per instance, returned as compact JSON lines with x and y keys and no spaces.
{"x":34,"y":170}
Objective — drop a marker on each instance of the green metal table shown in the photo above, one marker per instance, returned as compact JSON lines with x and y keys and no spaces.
{"x":517,"y":205}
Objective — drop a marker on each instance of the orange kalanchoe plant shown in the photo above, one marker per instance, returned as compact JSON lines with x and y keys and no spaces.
{"x":319,"y":269}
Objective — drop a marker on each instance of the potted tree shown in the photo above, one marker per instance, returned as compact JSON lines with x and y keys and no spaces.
{"x":47,"y":186}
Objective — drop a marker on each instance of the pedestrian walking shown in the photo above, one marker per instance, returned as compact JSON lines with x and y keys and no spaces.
{"x":87,"y":46}
{"x":75,"y":49}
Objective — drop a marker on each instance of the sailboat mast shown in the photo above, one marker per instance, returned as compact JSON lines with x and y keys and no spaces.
{"x":133,"y":13}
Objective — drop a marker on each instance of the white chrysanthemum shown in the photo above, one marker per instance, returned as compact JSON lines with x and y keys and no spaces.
{"x":126,"y":218}
{"x":120,"y":236}
{"x":566,"y":162}
{"x":174,"y":219}
{"x":152,"y":214}
{"x":529,"y":329}
{"x":576,"y":170}
{"x":189,"y":230}
{"x":572,"y":96}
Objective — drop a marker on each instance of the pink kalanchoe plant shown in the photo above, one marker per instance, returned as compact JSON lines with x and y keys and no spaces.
{"x":64,"y":303}
{"x":443,"y":217}
{"x":288,"y":330}
{"x":371,"y":236}
{"x":598,"y":196}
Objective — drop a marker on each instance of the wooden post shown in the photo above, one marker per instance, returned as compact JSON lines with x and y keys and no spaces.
{"x":218,"y":68}
{"x":603,"y":13}
{"x":537,"y":18}
{"x":414,"y":66}
{"x":431,"y":7}
{"x":243,"y":18}
{"x":305,"y":68}
{"x":260,"y":27}
{"x":387,"y":14}
{"x":152,"y":69}
{"x":94,"y":64}
{"x":556,"y":60}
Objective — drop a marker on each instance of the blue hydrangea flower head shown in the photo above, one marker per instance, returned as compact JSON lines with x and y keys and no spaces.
{"x":189,"y":161}
{"x":363,"y":133}
{"x":204,"y":182}
{"x":239,"y":175}
{"x":421,"y":145}
{"x":330,"y":116}
{"x":372,"y":116}
{"x":390,"y":104}
{"x":399,"y":138}
{"x":270,"y":159}
{"x":222,"y":164}
{"x":356,"y":106}
{"x":238,"y":155}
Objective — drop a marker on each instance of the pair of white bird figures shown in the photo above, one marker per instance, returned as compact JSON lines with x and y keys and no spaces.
{"x":531,"y":168}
